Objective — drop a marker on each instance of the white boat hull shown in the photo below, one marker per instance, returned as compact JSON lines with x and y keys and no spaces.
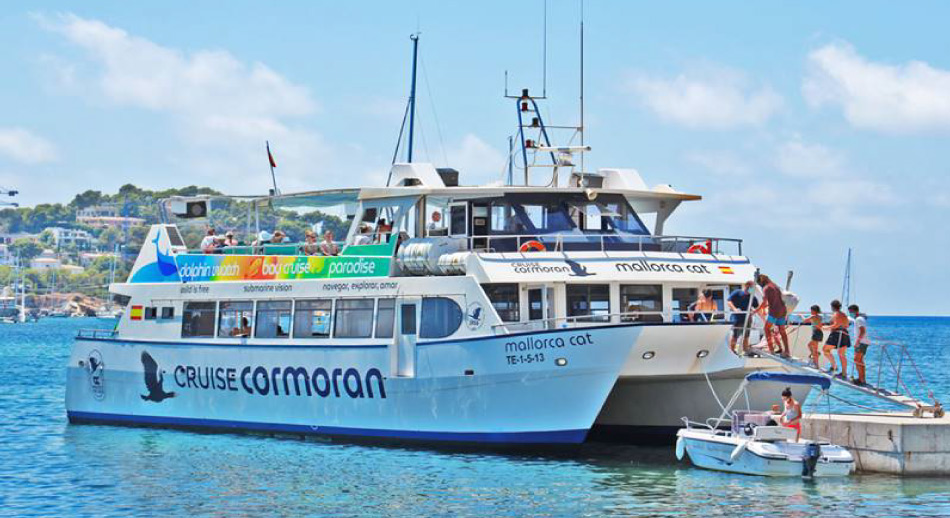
{"x":464,"y":390}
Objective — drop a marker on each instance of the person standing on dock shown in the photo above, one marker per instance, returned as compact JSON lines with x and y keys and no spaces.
{"x":839,"y":339}
{"x":861,"y":342}
{"x":777,"y":314}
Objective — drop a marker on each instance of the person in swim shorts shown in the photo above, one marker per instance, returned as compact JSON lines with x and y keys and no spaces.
{"x":861,"y":342}
{"x":777,"y":314}
{"x":838,"y":339}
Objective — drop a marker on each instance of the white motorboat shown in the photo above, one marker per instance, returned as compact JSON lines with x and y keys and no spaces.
{"x":754,"y":447}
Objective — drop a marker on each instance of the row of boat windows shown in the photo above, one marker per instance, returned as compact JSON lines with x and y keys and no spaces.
{"x":317,"y":318}
{"x":591,"y":302}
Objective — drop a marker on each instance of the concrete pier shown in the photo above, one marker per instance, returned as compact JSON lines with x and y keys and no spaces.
{"x":895,"y":443}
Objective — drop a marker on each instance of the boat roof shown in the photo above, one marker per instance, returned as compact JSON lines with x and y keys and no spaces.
{"x":792,"y":379}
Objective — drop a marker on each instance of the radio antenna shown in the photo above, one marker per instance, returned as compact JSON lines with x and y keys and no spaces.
{"x":544,"y":59}
{"x":582,"y":85}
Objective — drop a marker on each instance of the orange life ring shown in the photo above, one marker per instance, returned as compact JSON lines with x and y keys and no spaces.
{"x":532,"y":246}
{"x":700,"y":248}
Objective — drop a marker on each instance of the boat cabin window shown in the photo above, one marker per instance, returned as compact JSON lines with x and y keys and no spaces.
{"x":168,"y":312}
{"x":641,"y":302}
{"x":273,"y":319}
{"x":198,"y":320}
{"x":234,"y":318}
{"x":441,"y":317}
{"x":385,"y":317}
{"x":588,"y":302}
{"x":312,"y":318}
{"x":504,"y":298}
{"x":354,"y":318}
{"x":151,"y":313}
{"x":458,"y":219}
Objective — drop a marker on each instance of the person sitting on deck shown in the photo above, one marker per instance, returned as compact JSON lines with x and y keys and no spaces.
{"x":861,"y":343}
{"x":279,"y":237}
{"x":208,"y":242}
{"x":328,"y":247}
{"x":383,"y":230}
{"x":705,"y":307}
{"x":839,"y":339}
{"x":364,"y":237}
{"x":263,"y":238}
{"x":229,"y":239}
{"x":792,"y":416}
{"x":310,"y":246}
{"x":244,"y":330}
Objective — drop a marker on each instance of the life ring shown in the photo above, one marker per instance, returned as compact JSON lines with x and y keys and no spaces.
{"x":699,"y":248}
{"x":532,"y":246}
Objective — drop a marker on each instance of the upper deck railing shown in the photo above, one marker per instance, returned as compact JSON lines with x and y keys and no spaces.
{"x":599,"y":242}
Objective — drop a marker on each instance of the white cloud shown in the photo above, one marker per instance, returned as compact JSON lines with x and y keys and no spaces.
{"x":223,"y":108}
{"x":713,"y":97}
{"x":720,"y":163}
{"x":476,"y":161}
{"x":25,"y":147}
{"x":851,"y":193}
{"x":797,"y":158}
{"x":908,"y":97}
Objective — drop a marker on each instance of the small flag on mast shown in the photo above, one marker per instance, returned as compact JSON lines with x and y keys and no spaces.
{"x":270,"y":157}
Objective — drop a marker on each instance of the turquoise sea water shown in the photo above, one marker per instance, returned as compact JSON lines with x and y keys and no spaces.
{"x":51,"y":468}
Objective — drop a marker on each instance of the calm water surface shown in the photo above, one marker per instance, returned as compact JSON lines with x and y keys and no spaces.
{"x":48,"y":467}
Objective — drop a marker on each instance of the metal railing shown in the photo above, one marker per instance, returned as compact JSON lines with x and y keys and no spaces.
{"x":561,"y":242}
{"x":269,"y":249}
{"x":599,"y":319}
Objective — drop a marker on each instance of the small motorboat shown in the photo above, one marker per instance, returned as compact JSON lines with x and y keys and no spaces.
{"x":754,"y":445}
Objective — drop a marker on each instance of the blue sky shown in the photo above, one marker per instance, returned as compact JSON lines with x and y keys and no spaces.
{"x":807,"y":127}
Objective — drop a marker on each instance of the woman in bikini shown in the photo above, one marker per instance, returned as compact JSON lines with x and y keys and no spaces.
{"x":838,"y":339}
{"x":816,"y":334}
{"x":792,"y":416}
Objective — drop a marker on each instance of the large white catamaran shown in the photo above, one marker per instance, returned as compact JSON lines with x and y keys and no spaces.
{"x":522,"y":312}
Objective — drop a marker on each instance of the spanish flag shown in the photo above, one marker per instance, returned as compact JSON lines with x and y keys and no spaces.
{"x":270,"y":157}
{"x":136,"y":313}
{"x":726,"y":270}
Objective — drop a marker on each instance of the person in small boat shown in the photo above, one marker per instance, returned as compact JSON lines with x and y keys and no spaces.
{"x":861,"y":342}
{"x":328,"y":247}
{"x":792,"y":416}
{"x":777,"y":314}
{"x":838,"y":338}
{"x":243,"y":330}
{"x":817,"y":336}
{"x":209,"y":241}
{"x":739,"y":302}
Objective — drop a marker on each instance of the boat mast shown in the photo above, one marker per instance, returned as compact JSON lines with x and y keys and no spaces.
{"x":412,"y":93}
{"x":582,"y":86}
{"x":846,"y":286}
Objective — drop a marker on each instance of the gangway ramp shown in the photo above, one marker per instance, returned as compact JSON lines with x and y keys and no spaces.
{"x":918,"y":406}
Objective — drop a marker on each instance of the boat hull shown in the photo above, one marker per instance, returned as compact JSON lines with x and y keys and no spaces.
{"x":504,"y":389}
{"x":720,"y":454}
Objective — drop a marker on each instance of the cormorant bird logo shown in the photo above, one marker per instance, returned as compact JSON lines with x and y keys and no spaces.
{"x":153,"y":380}
{"x":577,"y":269}
{"x":473,"y":317}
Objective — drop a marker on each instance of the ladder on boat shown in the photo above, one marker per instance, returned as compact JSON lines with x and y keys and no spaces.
{"x":919,"y":408}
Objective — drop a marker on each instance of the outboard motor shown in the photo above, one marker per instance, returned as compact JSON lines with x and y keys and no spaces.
{"x":810,"y":460}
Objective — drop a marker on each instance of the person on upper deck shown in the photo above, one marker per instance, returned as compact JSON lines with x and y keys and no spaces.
{"x":310,"y":246}
{"x":383,"y":230}
{"x":229,"y":239}
{"x":861,"y":342}
{"x":279,"y":237}
{"x":777,"y":314}
{"x":364,"y":235}
{"x":209,"y":241}
{"x":739,"y":302}
{"x":328,"y":247}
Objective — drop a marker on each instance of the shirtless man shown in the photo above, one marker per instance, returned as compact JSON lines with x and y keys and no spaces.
{"x":777,"y":314}
{"x":838,"y":339}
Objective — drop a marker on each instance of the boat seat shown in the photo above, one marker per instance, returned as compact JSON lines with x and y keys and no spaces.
{"x":774,"y":433}
{"x":280,"y":249}
{"x":238,"y":250}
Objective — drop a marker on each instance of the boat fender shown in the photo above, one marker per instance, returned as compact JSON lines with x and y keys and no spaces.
{"x":738,"y":451}
{"x":700,"y":248}
{"x":810,"y":459}
{"x":532,"y":246}
{"x":680,"y":448}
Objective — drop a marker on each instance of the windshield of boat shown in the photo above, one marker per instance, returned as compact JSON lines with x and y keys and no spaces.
{"x":517,"y":214}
